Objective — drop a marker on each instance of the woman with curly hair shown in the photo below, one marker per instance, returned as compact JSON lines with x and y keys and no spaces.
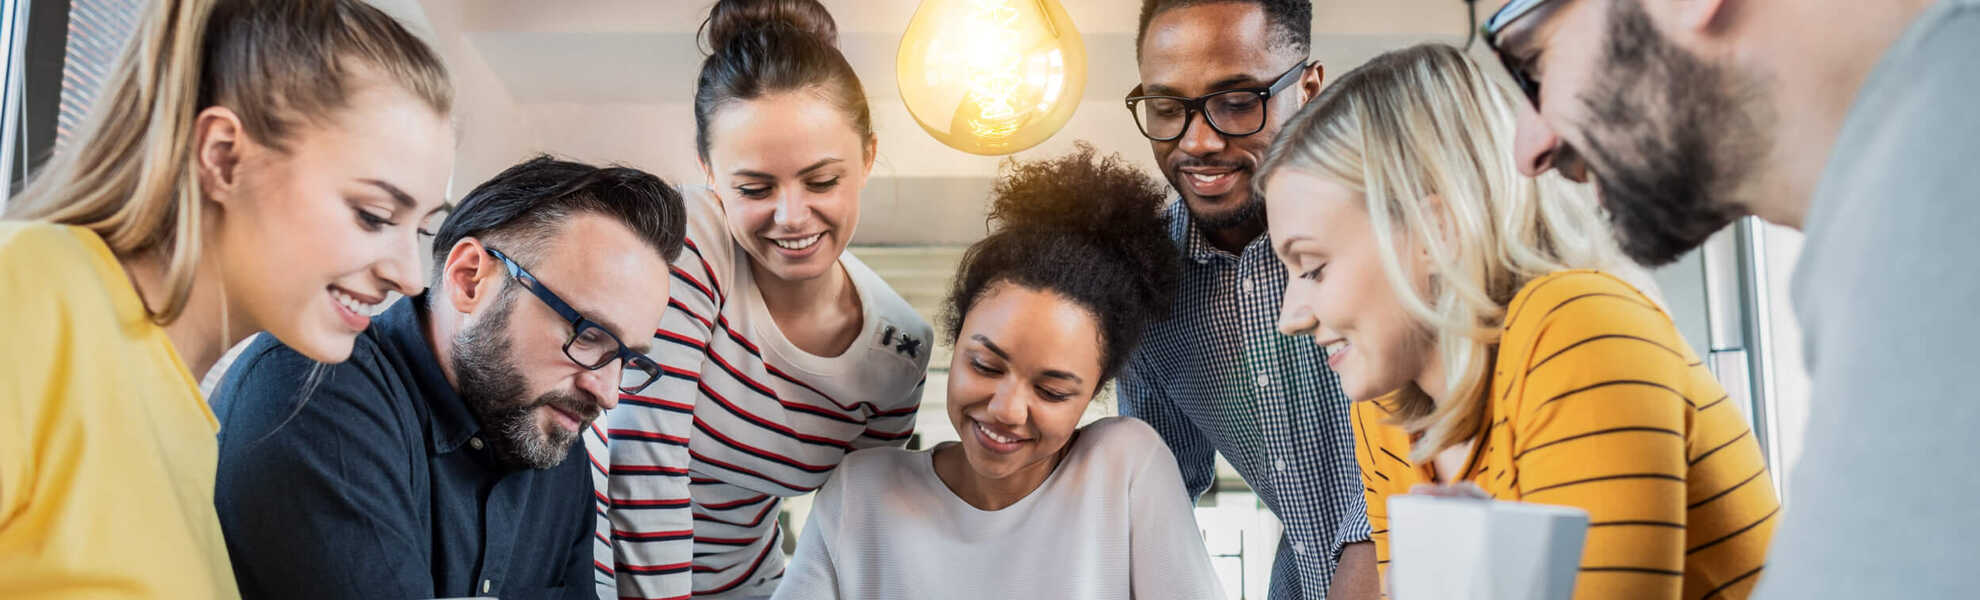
{"x":1029,"y":504}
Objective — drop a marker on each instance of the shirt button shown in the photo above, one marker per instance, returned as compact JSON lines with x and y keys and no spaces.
{"x":485,"y":582}
{"x":475,"y":443}
{"x":1247,"y":285}
{"x":1299,"y":548}
{"x":1264,"y":380}
{"x":1279,"y":464}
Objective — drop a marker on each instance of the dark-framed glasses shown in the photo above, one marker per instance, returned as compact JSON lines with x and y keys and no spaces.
{"x":1511,"y":13}
{"x":1233,"y":113}
{"x":591,"y":345}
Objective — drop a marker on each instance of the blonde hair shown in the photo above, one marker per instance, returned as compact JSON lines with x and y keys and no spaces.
{"x":1426,"y":122}
{"x":131,"y":174}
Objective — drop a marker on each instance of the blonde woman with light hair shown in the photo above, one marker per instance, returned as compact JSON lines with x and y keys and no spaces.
{"x":249,"y":166}
{"x":1484,"y":325}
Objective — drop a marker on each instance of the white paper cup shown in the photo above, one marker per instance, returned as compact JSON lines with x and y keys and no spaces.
{"x":1467,"y":549}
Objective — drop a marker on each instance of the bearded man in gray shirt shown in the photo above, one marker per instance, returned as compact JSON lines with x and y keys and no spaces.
{"x":1857,"y":122}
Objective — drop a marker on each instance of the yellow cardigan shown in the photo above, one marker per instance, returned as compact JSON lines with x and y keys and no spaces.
{"x":1598,"y":403}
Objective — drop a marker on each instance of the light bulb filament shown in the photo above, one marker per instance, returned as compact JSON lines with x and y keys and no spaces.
{"x":994,"y":79}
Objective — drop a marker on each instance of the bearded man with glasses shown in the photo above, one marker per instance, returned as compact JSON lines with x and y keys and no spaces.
{"x":1218,"y":78}
{"x":1853,"y":121}
{"x":439,"y":461}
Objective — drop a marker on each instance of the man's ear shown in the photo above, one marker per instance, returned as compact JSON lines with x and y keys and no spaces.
{"x":470,"y":277}
{"x":1310,"y":82}
{"x":218,"y":141}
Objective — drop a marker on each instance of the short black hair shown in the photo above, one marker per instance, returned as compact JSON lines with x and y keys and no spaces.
{"x":1089,"y":229}
{"x":520,"y":208}
{"x":1291,"y":20}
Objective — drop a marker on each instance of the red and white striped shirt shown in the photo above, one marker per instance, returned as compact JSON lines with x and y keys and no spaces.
{"x":700,"y":461}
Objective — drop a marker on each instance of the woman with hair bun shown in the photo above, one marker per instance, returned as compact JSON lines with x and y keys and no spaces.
{"x":1043,"y":314}
{"x":784,"y":351}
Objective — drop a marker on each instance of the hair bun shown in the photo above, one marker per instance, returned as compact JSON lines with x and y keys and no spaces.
{"x":730,"y":19}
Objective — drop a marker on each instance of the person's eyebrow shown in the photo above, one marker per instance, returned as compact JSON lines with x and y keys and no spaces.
{"x":822,"y":163}
{"x":992,"y":346}
{"x":1227,"y":83}
{"x":404,"y":199}
{"x":593,"y":316}
{"x":819,"y":165}
{"x":1284,"y":246}
{"x":1053,"y":373}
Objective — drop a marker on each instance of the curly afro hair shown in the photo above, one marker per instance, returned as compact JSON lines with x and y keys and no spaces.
{"x":1087,"y":228}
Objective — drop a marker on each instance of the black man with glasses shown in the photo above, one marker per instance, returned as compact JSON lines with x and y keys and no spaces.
{"x":442,"y":459}
{"x":1217,"y":81}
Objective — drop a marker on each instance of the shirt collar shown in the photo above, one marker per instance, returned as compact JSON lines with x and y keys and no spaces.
{"x":1196,"y":247}
{"x":403,"y":328}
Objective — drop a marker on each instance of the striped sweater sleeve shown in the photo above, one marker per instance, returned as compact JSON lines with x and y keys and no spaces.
{"x":1601,"y":425}
{"x":647,"y":499}
{"x":892,"y":428}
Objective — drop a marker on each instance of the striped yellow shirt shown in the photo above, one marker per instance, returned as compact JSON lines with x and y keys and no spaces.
{"x":1598,"y":403}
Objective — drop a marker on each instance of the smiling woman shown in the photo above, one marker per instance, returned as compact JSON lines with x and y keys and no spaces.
{"x":784,"y":351}
{"x":1484,"y":325}
{"x":1044,"y":313}
{"x":251,"y":166}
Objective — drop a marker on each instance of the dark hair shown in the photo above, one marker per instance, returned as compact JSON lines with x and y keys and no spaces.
{"x":520,"y":208}
{"x":1291,"y":20}
{"x":1087,"y":228}
{"x":761,"y":47}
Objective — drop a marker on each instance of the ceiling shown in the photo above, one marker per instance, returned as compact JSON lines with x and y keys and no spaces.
{"x":611,"y":81}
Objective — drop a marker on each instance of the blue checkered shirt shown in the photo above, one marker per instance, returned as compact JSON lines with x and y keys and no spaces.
{"x":1217,"y":377}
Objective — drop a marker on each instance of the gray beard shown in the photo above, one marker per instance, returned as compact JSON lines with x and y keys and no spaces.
{"x":491,"y":385}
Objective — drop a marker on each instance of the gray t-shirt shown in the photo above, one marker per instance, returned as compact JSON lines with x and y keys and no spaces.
{"x":1886,"y":499}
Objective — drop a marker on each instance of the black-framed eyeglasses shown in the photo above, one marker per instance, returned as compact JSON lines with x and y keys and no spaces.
{"x":1233,"y":113}
{"x":1505,"y":17}
{"x":591,"y":345}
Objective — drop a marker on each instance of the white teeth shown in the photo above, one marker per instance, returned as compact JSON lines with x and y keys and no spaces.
{"x":1201,"y":178}
{"x":352,"y":304}
{"x":800,"y":243}
{"x":993,"y":435}
{"x":1336,"y":346}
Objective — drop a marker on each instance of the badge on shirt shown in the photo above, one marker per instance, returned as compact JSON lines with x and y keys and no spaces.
{"x":898,"y":340}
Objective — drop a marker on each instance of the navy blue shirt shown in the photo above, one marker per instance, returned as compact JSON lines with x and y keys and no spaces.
{"x":371,"y":479}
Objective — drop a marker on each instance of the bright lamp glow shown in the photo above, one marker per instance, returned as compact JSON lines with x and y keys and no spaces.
{"x":991,"y":76}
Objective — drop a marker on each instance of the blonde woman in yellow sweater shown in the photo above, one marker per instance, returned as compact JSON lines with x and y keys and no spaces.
{"x":1479,"y":320}
{"x":250,"y":165}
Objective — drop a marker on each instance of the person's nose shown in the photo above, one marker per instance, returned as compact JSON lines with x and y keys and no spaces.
{"x":793,"y":209}
{"x":602,"y":384}
{"x":1008,"y":406}
{"x":1293,"y":313}
{"x":1198,"y":137}
{"x":400,"y":271}
{"x":1535,"y":145}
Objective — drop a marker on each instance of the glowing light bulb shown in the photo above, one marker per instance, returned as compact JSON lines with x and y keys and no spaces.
{"x":991,"y":76}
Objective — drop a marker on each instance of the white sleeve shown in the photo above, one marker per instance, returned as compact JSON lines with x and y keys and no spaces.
{"x":1169,"y":559}
{"x":651,"y":520}
{"x":812,"y":574}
